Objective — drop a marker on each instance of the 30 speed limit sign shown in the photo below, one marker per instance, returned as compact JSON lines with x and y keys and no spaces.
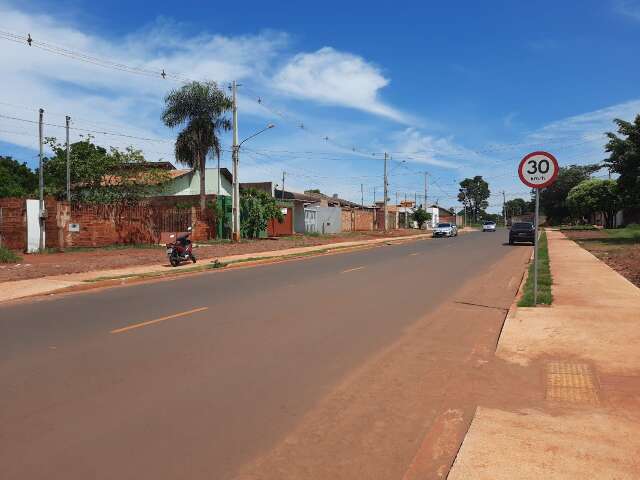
{"x":538,"y":169}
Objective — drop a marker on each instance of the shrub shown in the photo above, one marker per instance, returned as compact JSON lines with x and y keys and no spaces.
{"x":7,"y":256}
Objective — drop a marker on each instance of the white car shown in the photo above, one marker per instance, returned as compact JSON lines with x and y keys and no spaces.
{"x":445,"y":230}
{"x":489,"y":226}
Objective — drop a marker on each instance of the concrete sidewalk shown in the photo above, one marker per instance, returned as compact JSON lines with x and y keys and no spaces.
{"x":585,"y":346}
{"x":51,"y":284}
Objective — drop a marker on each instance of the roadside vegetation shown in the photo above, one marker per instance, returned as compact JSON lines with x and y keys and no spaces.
{"x":544,"y":278}
{"x":7,"y":256}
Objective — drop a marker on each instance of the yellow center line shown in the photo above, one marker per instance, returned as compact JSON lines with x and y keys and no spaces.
{"x":157,"y":320}
{"x":352,"y":269}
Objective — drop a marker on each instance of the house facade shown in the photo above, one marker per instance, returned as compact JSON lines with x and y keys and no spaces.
{"x":187,"y":182}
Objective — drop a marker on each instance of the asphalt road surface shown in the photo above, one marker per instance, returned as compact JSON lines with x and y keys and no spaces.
{"x":199,"y":376}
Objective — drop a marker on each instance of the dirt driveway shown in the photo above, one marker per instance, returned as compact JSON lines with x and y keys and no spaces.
{"x":85,"y":260}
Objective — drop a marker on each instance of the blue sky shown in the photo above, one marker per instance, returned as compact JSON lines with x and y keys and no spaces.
{"x":452,"y":88}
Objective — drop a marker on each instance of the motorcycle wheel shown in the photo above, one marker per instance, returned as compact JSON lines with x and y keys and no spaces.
{"x":174,"y":260}
{"x":193,"y":258}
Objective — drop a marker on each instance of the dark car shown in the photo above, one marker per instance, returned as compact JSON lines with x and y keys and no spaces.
{"x":522,"y":232}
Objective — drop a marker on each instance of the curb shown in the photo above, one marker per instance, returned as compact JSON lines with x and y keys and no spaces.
{"x":135,"y":278}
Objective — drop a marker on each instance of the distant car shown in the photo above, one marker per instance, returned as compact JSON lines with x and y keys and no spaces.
{"x":445,"y":230}
{"x":489,"y":226}
{"x":522,"y":232}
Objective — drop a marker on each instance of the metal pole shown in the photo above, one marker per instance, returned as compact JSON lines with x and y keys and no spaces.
{"x":68,"y":118}
{"x":535,"y":251}
{"x":425,"y":189}
{"x":374,"y":196}
{"x":282,"y":195}
{"x":41,"y":180}
{"x":504,"y":209}
{"x":386,"y":193}
{"x":362,"y":194}
{"x":236,"y":185}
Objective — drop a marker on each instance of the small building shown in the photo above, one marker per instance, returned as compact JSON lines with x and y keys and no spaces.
{"x":187,"y":182}
{"x":441,"y":215}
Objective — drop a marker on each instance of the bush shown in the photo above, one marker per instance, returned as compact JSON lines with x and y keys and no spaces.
{"x":7,"y":256}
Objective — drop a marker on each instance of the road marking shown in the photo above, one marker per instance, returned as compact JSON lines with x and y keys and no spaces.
{"x":352,"y":269}
{"x":414,"y":253}
{"x":158,"y":320}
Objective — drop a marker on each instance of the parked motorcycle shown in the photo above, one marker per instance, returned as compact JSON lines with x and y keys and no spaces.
{"x":181,"y":250}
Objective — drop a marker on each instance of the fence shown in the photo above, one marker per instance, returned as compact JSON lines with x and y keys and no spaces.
{"x":82,"y":225}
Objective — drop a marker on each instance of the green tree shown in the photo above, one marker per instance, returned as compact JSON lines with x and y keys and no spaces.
{"x":257,"y":207}
{"x":595,"y":195}
{"x":474,"y":194}
{"x":16,"y":179}
{"x":98,"y":175}
{"x":518,"y":206}
{"x":200,"y":108}
{"x":420,"y":216}
{"x":553,"y":199}
{"x":624,"y":159}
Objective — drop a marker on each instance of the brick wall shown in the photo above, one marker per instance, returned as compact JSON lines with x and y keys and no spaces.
{"x":357,"y":219}
{"x":13,"y":223}
{"x":103,"y":225}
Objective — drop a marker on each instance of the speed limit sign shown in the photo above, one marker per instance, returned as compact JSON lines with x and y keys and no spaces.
{"x":538,"y":169}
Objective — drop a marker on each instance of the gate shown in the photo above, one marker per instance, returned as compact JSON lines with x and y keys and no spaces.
{"x":310,"y":220}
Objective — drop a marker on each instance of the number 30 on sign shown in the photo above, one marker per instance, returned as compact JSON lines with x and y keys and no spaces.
{"x":538,"y":169}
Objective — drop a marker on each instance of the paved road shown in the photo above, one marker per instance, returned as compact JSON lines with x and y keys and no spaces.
{"x":194,"y":377}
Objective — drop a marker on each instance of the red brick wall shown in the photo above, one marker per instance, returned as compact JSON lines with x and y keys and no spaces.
{"x":102,"y":225}
{"x":357,"y":219}
{"x":363,"y":220}
{"x":13,"y":223}
{"x":347,"y":220}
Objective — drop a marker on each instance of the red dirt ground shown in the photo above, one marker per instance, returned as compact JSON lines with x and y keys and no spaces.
{"x":41,"y":265}
{"x":622,"y":257}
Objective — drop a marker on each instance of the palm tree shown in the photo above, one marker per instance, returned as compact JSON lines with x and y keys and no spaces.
{"x":200,"y":107}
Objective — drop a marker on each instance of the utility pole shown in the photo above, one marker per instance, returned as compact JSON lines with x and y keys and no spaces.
{"x":41,"y":212}
{"x":374,"y":196}
{"x":504,"y":209}
{"x":425,"y":189}
{"x":235,"y":229}
{"x":386,"y":193}
{"x":396,"y":199}
{"x":68,"y":119}
{"x":282,"y":195}
{"x":362,"y":194}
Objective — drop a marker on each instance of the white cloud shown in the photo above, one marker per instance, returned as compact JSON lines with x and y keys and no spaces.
{"x":628,"y":8}
{"x":437,"y":151}
{"x":337,"y":78}
{"x":111,"y":100}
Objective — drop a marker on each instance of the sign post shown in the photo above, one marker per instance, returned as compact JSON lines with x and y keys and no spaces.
{"x":537,"y":170}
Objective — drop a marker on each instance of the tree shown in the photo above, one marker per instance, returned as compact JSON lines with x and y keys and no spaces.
{"x":420,"y":216}
{"x":257,"y":207}
{"x":474,"y":194}
{"x":595,"y":195}
{"x":553,"y":199}
{"x":98,"y":175}
{"x":624,"y":159}
{"x":200,"y":108}
{"x":517,"y":206}
{"x":16,"y":179}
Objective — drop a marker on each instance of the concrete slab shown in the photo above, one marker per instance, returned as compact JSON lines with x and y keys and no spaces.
{"x":535,"y":445}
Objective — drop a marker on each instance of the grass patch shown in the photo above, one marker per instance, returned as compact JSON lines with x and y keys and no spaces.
{"x":7,"y":256}
{"x":578,"y":227}
{"x":630,"y":234}
{"x":544,"y":278}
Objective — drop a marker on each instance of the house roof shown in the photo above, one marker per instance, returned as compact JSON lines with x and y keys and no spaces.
{"x":335,"y":200}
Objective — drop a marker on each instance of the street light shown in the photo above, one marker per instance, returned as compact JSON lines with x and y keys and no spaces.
{"x":236,"y":184}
